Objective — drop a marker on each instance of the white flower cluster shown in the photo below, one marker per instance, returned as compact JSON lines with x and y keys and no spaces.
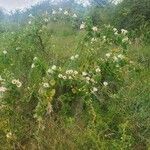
{"x":3,"y":89}
{"x":115,"y":57}
{"x":74,"y":57}
{"x":17,"y":83}
{"x":60,"y":9}
{"x":108,"y":55}
{"x":115,"y":31}
{"x":46,"y":85}
{"x":123,"y":31}
{"x":33,"y":65}
{"x":52,"y":69}
{"x":88,"y":78}
{"x":69,"y":74}
{"x":98,"y":70}
{"x":65,"y":12}
{"x":95,"y":89}
{"x":84,"y":73}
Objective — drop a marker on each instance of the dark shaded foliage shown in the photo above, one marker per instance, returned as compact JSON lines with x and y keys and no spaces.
{"x":132,"y":14}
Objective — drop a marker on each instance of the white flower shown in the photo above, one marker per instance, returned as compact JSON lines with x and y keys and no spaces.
{"x":72,"y":58}
{"x":82,"y":26}
{"x":29,"y":22}
{"x":60,"y":9}
{"x":114,"y":29}
{"x":74,"y":15}
{"x":131,"y":62}
{"x":88,"y":78}
{"x":95,"y":29}
{"x":76,"y":56}
{"x":46,"y":20}
{"x":53,"y":12}
{"x":17,"y":83}
{"x":94,"y":89}
{"x":108,"y":55}
{"x":30,"y":15}
{"x":92,"y":80}
{"x":115,"y":58}
{"x":123,"y":31}
{"x":3,"y":89}
{"x":75,"y":72}
{"x":98,"y":70}
{"x":108,"y":26}
{"x":125,"y":39}
{"x":66,"y":12}
{"x":70,"y":77}
{"x":50,"y":71}
{"x":105,"y":83}
{"x":121,"y":56}
{"x":18,"y":48}
{"x":9,"y":135}
{"x":116,"y":33}
{"x":54,"y":67}
{"x":93,"y":40}
{"x":64,"y":77}
{"x":104,"y":37}
{"x":46,"y":85}
{"x":60,"y":76}
{"x":4,"y":52}
{"x":69,"y":71}
{"x":33,"y":66}
{"x":35,"y":58}
{"x":13,"y":81}
{"x":84,"y":73}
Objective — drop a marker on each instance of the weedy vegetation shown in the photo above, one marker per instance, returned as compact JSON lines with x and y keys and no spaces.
{"x":74,"y":80}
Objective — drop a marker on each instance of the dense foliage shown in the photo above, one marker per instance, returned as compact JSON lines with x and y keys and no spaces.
{"x":70,"y":80}
{"x":133,"y":13}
